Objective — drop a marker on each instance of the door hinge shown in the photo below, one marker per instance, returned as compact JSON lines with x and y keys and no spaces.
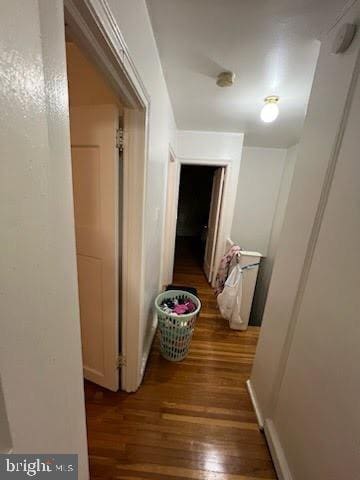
{"x":120,"y":139}
{"x":121,"y":361}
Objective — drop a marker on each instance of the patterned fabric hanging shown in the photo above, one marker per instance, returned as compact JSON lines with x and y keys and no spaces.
{"x":226,"y":264}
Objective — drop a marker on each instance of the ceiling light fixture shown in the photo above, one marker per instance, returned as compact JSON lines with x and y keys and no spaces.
{"x":270,"y":110}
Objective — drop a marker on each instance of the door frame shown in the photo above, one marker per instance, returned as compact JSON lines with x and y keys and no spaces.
{"x":171,"y":212}
{"x":217,"y":195}
{"x":171,"y":203}
{"x":96,"y":32}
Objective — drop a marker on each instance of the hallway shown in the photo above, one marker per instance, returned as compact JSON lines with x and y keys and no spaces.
{"x":192,"y":420}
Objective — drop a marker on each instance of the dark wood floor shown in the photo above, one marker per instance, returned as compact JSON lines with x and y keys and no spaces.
{"x":189,"y":420}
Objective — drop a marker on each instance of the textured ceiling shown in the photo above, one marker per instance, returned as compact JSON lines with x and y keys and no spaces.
{"x":270,"y":45}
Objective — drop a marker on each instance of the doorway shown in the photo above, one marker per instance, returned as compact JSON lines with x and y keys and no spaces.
{"x":193,"y":210}
{"x":198,"y":215}
{"x":109,"y":192}
{"x":95,"y":117}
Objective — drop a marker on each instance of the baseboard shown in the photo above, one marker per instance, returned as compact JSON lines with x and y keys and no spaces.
{"x":148,"y":345}
{"x":277,"y":452}
{"x":255,"y":403}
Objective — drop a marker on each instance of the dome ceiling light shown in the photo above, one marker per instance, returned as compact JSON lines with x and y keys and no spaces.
{"x":270,"y":110}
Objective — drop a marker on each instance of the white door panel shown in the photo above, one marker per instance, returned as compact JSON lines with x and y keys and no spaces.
{"x":95,"y":165}
{"x":213,"y":223}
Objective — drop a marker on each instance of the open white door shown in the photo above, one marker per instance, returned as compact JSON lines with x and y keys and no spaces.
{"x":213,"y":223}
{"x":95,"y":166}
{"x":171,"y":212}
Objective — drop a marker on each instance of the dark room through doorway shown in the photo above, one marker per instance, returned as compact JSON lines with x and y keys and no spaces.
{"x":194,"y":205}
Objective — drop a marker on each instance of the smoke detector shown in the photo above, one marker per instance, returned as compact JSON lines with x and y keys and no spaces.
{"x":225,"y":79}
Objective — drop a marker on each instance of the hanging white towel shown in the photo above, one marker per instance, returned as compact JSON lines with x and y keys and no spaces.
{"x":229,"y":300}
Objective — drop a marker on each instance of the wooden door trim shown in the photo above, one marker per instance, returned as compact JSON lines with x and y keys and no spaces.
{"x":95,"y":30}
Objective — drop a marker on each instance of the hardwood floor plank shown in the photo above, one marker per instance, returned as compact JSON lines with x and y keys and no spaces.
{"x":217,"y":422}
{"x":187,"y":473}
{"x":189,"y":420}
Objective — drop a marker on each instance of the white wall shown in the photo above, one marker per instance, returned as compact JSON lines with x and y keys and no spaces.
{"x":267,"y":263}
{"x":40,"y":353}
{"x":305,"y":379}
{"x":283,"y":196}
{"x":133,"y":20}
{"x":211,"y":146}
{"x":315,"y":149}
{"x":257,"y":192}
{"x":321,"y":385}
{"x":258,"y":204}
